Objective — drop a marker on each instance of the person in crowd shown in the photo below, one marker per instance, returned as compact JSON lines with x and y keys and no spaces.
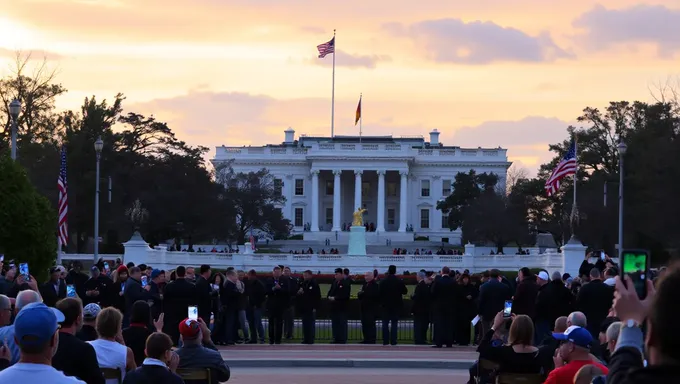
{"x":369,"y":299}
{"x":309,"y":299}
{"x":257,"y":296}
{"x":587,"y":374}
{"x":339,"y":295}
{"x":289,"y":312}
{"x":198,"y":352}
{"x":77,"y":278}
{"x":481,"y":375}
{"x":156,"y":283}
{"x":204,"y":293}
{"x":524,"y":302}
{"x":519,"y":355}
{"x":572,"y":355}
{"x":444,"y":293}
{"x":542,"y":278}
{"x":216,"y":285}
{"x":230,"y":297}
{"x":492,"y":296}
{"x":241,"y":316}
{"x":22,"y":284}
{"x":467,"y":294}
{"x":179,"y":295}
{"x":120,"y":278}
{"x":54,"y":289}
{"x":111,"y":352}
{"x":88,"y":332}
{"x":134,"y":291}
{"x":594,"y":300}
{"x":75,"y":357}
{"x":611,"y":338}
{"x":657,"y":312}
{"x":277,"y":301}
{"x":159,"y":366}
{"x":190,"y":275}
{"x":97,"y":288}
{"x":7,"y":281}
{"x":7,"y":333}
{"x":549,"y":345}
{"x":420,"y":309}
{"x":553,"y":301}
{"x":139,"y":330}
{"x":36,"y":332}
{"x":5,"y":311}
{"x":610,"y":276}
{"x":392,"y":289}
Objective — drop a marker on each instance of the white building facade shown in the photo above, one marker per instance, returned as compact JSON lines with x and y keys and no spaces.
{"x":398,"y":180}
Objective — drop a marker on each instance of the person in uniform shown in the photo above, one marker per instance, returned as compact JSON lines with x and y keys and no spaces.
{"x":338,"y":296}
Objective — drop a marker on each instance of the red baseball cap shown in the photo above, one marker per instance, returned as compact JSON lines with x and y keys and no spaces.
{"x":189,"y":328}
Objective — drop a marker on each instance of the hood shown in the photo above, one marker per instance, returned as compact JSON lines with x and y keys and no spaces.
{"x":610,"y":281}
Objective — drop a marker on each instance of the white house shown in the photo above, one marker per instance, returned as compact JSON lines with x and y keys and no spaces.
{"x":398,"y":180}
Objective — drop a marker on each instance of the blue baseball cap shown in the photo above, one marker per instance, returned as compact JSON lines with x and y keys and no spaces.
{"x":577,"y":335}
{"x":36,"y":323}
{"x":155,"y":273}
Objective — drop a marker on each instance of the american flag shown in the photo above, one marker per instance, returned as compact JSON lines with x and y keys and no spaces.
{"x":326,"y":48}
{"x":566,"y":167}
{"x":63,"y":200}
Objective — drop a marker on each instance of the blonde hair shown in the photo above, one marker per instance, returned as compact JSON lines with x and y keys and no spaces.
{"x":109,"y":322}
{"x":521,"y":331}
{"x":587,"y":373}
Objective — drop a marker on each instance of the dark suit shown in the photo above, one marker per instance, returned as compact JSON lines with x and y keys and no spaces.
{"x":369,"y":297}
{"x":231,"y":300}
{"x":133,"y":293}
{"x":278,"y":299}
{"x":50,"y":294}
{"x":179,"y":295}
{"x":492,"y":296}
{"x":444,"y":291}
{"x":594,"y":300}
{"x":340,"y":292}
{"x":307,"y":303}
{"x":204,"y":294}
{"x":392,"y":290}
{"x":421,"y":312}
{"x":77,"y":358}
{"x":152,"y":374}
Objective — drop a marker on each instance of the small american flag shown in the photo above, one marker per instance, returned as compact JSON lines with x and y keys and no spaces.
{"x":326,"y":48}
{"x":566,"y":167}
{"x":63,"y":200}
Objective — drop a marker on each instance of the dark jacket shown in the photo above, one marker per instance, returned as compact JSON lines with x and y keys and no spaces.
{"x":152,"y":374}
{"x":87,"y":333}
{"x":135,"y":338}
{"x":256,"y":293}
{"x":594,"y":300}
{"x":310,"y":298}
{"x":78,"y":280}
{"x":467,"y":308}
{"x":421,"y":298}
{"x":340,"y":291}
{"x":524,"y":302}
{"x":198,"y":356}
{"x":101,"y":284}
{"x":492,"y":296}
{"x":369,"y":297}
{"x":392,"y":291}
{"x":77,"y":358}
{"x":133,"y":293}
{"x":444,"y":293}
{"x":178,"y":296}
{"x":553,"y":300}
{"x":277,"y":298}
{"x":49,"y":295}
{"x":204,"y":295}
{"x":626,"y":367}
{"x":230,"y":297}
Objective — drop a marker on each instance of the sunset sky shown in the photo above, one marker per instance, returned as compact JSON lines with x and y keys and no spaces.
{"x":513,"y":73}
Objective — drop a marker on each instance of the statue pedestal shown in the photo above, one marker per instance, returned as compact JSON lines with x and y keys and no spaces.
{"x":357,"y":241}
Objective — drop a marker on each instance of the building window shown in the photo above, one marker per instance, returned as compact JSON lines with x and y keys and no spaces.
{"x":365,"y":189}
{"x":445,"y":221}
{"x":329,"y":187}
{"x":299,"y":217}
{"x":329,"y":216}
{"x":446,"y":187}
{"x":278,"y":187}
{"x":391,"y":189}
{"x":425,"y":218}
{"x":390,"y":216}
{"x":425,"y":188}
{"x":299,"y":187}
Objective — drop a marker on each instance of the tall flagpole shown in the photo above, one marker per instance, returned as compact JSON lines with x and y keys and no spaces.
{"x":574,"y":208}
{"x":333,"y":89}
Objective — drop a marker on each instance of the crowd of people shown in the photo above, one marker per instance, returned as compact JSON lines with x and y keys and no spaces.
{"x":136,"y":322}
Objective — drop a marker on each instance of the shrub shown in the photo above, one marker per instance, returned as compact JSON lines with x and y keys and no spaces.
{"x":296,"y":237}
{"x":422,"y":238}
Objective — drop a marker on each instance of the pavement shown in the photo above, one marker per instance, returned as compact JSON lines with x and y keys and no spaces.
{"x":345,"y":375}
{"x":348,"y":356}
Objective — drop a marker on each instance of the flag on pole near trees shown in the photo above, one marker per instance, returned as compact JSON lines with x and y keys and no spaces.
{"x":326,"y":48}
{"x":63,"y":200}
{"x":566,"y":167}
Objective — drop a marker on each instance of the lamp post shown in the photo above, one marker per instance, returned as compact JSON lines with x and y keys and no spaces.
{"x":622,"y":152}
{"x":14,"y":109}
{"x":98,"y":145}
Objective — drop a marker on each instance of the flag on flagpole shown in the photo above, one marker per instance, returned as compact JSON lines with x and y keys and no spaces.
{"x":358,"y":113}
{"x":62,"y":185}
{"x":326,"y":48}
{"x":567,"y":166}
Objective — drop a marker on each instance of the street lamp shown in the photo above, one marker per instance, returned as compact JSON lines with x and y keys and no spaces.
{"x":14,"y":109}
{"x":622,"y":152}
{"x":98,"y":146}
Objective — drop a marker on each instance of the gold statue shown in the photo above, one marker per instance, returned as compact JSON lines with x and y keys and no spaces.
{"x":358,"y":220}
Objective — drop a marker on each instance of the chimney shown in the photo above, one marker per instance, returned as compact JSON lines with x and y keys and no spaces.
{"x":290,"y":136}
{"x":434,"y":137}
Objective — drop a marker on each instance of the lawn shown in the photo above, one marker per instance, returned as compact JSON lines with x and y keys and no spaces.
{"x":357,"y":287}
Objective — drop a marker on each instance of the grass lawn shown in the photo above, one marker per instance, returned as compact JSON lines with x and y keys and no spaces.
{"x":357,"y":287}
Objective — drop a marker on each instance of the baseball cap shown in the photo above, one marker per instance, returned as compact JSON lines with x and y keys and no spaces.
{"x":94,"y":268}
{"x":155,"y":273}
{"x":543,"y":275}
{"x":189,"y":328}
{"x":577,"y":335}
{"x":91,"y":311}
{"x":36,"y":323}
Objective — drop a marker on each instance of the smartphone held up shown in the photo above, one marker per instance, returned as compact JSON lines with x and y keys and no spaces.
{"x":635,"y":265}
{"x":507,"y":309}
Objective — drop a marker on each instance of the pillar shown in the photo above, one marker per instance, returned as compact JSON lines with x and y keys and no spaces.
{"x":381,"y":201}
{"x":402,"y":201}
{"x":357,"y":190}
{"x":336,"y":200}
{"x":315,"y":201}
{"x":288,"y":191}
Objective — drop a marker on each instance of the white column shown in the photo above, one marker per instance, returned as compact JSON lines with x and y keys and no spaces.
{"x":288,"y":190}
{"x":402,"y":201}
{"x":357,"y":190}
{"x":381,"y":201}
{"x":336,"y":200}
{"x":315,"y":201}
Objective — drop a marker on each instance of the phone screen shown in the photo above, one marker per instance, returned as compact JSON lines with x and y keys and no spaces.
{"x":507,"y":309}
{"x":193,"y":312}
{"x":106,"y":266}
{"x":70,"y":290}
{"x":602,"y":255}
{"x":23,"y":270}
{"x":144,"y":281}
{"x":635,"y":264}
{"x":2,"y":257}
